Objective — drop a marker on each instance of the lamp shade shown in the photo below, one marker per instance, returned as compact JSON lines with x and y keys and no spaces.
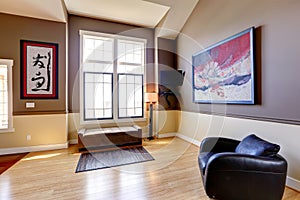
{"x":151,"y":97}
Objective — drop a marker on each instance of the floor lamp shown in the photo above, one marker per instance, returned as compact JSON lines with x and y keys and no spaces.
{"x":151,"y":98}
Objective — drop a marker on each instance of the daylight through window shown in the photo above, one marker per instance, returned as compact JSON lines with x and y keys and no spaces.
{"x":112,"y":76}
{"x":6,"y":95}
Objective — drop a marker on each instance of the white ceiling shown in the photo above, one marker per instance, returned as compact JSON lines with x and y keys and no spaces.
{"x":170,"y":15}
{"x":178,"y":14}
{"x":41,"y":9}
{"x":136,"y":12}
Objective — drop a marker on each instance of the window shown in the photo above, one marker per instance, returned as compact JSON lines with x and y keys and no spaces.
{"x":130,"y":95}
{"x":112,"y":76}
{"x":6,"y":95}
{"x":98,"y":86}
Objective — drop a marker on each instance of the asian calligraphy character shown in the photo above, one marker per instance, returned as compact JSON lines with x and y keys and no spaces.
{"x":42,"y":77}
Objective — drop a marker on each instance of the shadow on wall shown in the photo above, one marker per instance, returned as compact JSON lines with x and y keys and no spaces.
{"x":168,"y":98}
{"x":169,"y":94}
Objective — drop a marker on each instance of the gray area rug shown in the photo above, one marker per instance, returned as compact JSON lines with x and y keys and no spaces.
{"x":100,"y":160}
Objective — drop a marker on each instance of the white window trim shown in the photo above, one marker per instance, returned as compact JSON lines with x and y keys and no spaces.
{"x":9,"y":63}
{"x":115,"y":101}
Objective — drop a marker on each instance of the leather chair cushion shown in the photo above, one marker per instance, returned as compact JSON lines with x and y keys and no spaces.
{"x":256,"y":146}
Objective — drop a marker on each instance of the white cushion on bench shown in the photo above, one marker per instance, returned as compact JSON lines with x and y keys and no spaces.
{"x":98,"y":131}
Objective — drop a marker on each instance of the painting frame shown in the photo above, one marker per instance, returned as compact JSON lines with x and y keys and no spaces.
{"x":224,"y":72}
{"x":38,"y":70}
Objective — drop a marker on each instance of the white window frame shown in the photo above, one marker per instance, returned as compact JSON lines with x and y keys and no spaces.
{"x":115,"y":79}
{"x":9,"y":63}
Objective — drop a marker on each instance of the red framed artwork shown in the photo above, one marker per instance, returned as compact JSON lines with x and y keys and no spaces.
{"x":39,"y":70}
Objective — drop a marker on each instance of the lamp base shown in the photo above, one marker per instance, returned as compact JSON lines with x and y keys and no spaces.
{"x":150,"y":138}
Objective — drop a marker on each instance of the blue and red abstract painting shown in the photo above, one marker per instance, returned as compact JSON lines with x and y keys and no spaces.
{"x":223,"y":73}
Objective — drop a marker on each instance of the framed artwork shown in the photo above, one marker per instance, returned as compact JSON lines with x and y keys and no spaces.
{"x":39,"y":70}
{"x":224,"y":72}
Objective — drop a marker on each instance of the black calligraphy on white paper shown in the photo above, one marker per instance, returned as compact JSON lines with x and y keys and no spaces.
{"x":39,"y":70}
{"x":42,"y":62}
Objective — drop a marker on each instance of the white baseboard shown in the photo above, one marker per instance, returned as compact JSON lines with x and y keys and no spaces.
{"x":145,"y":135}
{"x":5,"y":151}
{"x":166,"y":135}
{"x":188,"y":139}
{"x":293,"y":183}
{"x":73,"y":141}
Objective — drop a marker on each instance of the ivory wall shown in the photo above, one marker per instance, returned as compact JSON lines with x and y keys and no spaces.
{"x":46,"y":132}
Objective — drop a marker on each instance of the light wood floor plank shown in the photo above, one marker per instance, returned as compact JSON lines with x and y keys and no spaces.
{"x":48,"y":175}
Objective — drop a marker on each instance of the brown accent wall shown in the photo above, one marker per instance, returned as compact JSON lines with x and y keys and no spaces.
{"x":167,"y":60}
{"x":277,"y":45}
{"x":76,"y":24}
{"x":15,"y":28}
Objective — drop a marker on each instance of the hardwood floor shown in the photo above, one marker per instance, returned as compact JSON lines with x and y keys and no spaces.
{"x":174,"y":174}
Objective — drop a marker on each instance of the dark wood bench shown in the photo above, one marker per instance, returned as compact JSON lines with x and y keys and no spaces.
{"x":101,"y":138}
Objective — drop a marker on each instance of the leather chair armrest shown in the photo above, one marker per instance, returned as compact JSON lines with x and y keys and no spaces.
{"x":218,"y":144}
{"x":243,"y":162}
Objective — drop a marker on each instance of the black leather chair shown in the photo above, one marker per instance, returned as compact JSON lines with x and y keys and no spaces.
{"x":250,"y":169}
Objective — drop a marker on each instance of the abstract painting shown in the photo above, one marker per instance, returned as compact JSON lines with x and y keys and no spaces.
{"x":224,"y":72}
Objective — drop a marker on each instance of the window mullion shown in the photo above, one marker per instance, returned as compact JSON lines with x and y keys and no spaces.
{"x":115,"y":83}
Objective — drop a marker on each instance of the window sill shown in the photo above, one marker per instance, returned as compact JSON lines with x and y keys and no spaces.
{"x":10,"y":130}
